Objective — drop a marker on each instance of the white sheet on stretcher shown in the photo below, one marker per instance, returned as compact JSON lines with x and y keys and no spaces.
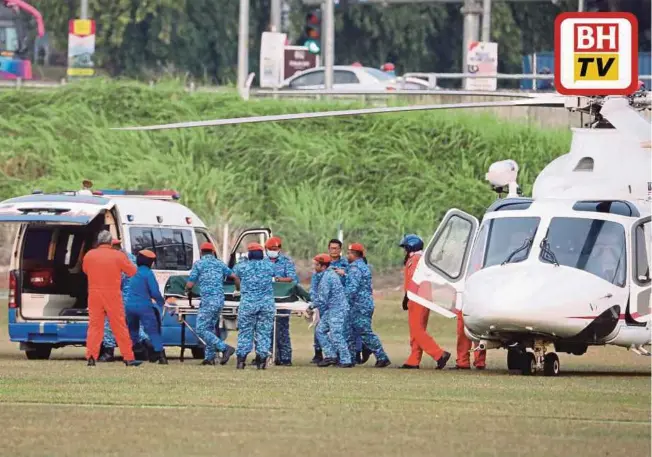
{"x":299,"y":306}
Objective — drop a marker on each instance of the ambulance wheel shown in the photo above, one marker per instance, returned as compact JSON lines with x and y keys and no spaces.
{"x":38,"y":352}
{"x":514,"y":359}
{"x":197,"y":352}
{"x":528,"y":364}
{"x":551,"y":365}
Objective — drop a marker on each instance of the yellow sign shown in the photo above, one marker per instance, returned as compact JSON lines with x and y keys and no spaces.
{"x":595,"y":67}
{"x":81,"y":71}
{"x":82,"y":27}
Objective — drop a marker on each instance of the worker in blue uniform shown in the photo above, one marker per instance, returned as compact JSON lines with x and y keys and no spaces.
{"x":341,"y":264}
{"x":257,"y":307}
{"x":107,"y":351}
{"x":210,"y":272}
{"x":331,"y":298}
{"x":314,"y":283}
{"x":284,"y":271}
{"x":359,"y":294}
{"x":145,"y":305}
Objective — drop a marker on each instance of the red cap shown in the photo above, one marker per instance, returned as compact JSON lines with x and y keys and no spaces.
{"x":254,"y":247}
{"x":115,"y":242}
{"x":323,"y":258}
{"x":207,"y":247}
{"x":147,"y":253}
{"x":273,"y":242}
{"x":356,"y":247}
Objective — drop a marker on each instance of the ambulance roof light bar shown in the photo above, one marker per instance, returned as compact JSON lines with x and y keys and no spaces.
{"x":153,"y":194}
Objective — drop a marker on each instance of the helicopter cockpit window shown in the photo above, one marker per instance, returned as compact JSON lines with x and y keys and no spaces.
{"x":505,"y":239}
{"x":8,"y":39}
{"x":592,"y":245}
{"x":642,"y":253}
{"x":448,"y":251}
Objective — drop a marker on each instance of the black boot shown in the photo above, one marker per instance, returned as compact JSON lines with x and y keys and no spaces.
{"x":140,"y":352}
{"x":241,"y":363}
{"x":91,"y":362}
{"x":319,"y":356}
{"x":327,"y":362}
{"x":441,"y":363}
{"x":382,"y":363}
{"x":366,"y":353}
{"x":208,"y":362}
{"x":107,"y":355}
{"x":162,"y":359}
{"x":133,"y":363}
{"x":261,"y":362}
{"x":226,"y":355}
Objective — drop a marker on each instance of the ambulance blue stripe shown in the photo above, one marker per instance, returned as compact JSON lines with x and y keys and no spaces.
{"x":27,"y":218}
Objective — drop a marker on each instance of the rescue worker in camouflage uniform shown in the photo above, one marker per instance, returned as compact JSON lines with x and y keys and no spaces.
{"x":330,"y":298}
{"x":314,"y":283}
{"x":340,"y":264}
{"x":210,"y":272}
{"x":284,"y":271}
{"x":257,"y":306}
{"x":359,"y":294}
{"x":108,"y":343}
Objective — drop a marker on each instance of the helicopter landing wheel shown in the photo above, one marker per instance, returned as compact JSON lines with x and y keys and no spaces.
{"x":515,"y":359}
{"x":551,"y":365}
{"x":528,"y":364}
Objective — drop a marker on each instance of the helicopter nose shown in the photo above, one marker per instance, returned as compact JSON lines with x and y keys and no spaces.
{"x":534,"y":298}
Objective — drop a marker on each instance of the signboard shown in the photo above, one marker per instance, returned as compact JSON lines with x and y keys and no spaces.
{"x":482,"y":59}
{"x":596,"y":53}
{"x":81,"y":47}
{"x":271,"y":59}
{"x":298,"y":58}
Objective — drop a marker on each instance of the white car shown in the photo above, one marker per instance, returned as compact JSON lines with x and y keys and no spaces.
{"x":345,"y":77}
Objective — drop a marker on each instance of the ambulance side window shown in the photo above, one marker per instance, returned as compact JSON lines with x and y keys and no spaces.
{"x":202,"y":237}
{"x":173,"y":247}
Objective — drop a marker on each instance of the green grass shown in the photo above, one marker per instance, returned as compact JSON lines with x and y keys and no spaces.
{"x":599,"y":406}
{"x":380,"y":176}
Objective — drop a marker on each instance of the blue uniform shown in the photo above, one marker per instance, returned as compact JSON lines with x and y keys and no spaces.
{"x":210,"y":272}
{"x":359,"y":294}
{"x":140,"y":309}
{"x":257,"y":307}
{"x":344,"y":265}
{"x":331,"y":328}
{"x":109,"y":339}
{"x":314,"y":282}
{"x":284,"y":268}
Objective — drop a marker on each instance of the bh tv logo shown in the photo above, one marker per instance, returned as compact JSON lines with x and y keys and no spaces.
{"x":596,"y":53}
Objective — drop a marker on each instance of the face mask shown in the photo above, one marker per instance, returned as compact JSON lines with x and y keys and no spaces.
{"x":272,"y":254}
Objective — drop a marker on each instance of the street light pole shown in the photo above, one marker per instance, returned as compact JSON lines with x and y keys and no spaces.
{"x":329,"y":48}
{"x":471,"y":11}
{"x":276,"y":16}
{"x":486,"y":20}
{"x":84,"y":9}
{"x":243,"y":44}
{"x":580,"y":6}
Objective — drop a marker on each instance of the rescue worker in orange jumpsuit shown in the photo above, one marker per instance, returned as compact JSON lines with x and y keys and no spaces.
{"x":420,"y":340}
{"x":464,"y":345}
{"x":103,"y":267}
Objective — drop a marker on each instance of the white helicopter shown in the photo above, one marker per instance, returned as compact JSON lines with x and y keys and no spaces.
{"x":565,"y":269}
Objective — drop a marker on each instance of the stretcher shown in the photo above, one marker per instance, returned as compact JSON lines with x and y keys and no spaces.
{"x":287,"y":296}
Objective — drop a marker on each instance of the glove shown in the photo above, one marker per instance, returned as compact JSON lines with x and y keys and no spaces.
{"x":405,"y":302}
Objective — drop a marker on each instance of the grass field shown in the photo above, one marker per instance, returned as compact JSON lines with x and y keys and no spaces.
{"x":599,"y":406}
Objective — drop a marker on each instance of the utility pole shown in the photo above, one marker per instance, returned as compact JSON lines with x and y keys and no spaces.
{"x":275,"y":19}
{"x":84,"y":9}
{"x":243,"y":45}
{"x":471,"y":11}
{"x":486,"y":20}
{"x":329,"y":48}
{"x":580,"y":6}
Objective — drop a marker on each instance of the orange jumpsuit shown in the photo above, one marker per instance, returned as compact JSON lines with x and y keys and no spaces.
{"x":103,"y":267}
{"x":464,"y":345}
{"x":420,"y":340}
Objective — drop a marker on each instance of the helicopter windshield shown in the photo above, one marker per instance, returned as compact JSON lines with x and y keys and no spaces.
{"x":501,"y":238}
{"x":592,"y":245}
{"x":8,"y":39}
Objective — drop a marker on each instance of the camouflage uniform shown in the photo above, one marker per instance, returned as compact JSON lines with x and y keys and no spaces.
{"x":284,"y":268}
{"x":109,"y":340}
{"x":343,"y":264}
{"x":257,"y":307}
{"x":210,"y":272}
{"x":360,"y":297}
{"x":331,"y":328}
{"x":314,"y":283}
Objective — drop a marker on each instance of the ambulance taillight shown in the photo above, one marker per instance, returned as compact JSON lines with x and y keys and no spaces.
{"x":13,"y":289}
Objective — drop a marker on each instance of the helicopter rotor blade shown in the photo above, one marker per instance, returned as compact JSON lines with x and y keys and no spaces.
{"x":552,"y":100}
{"x":626,"y":120}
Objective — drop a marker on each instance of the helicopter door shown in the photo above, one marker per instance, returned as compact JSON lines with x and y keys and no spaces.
{"x":438,"y":281}
{"x":638,"y":311}
{"x":255,"y":235}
